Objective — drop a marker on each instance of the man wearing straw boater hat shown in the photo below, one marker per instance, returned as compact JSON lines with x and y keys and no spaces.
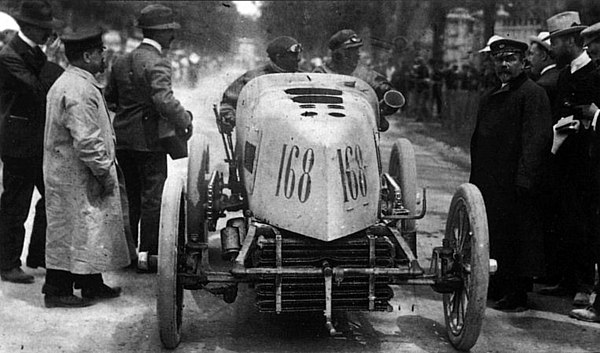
{"x":140,"y":86}
{"x":23,"y":88}
{"x":508,"y":146}
{"x":578,"y":86}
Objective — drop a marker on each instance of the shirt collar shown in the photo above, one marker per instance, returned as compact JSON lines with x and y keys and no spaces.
{"x":580,"y":62}
{"x":153,"y":43}
{"x":547,"y":68}
{"x":27,"y":40}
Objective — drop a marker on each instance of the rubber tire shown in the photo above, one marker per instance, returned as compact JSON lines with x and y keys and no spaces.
{"x":169,"y":304}
{"x":197,"y":187}
{"x":403,"y":168}
{"x":468,"y":199}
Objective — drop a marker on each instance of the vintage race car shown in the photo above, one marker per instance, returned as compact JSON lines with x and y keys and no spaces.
{"x":313,"y":221}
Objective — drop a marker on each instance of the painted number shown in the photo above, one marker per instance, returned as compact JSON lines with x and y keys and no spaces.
{"x":287,"y":174}
{"x":352,"y":172}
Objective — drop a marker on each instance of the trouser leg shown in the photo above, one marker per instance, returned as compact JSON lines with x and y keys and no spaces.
{"x":58,"y":283}
{"x":131,"y":243}
{"x":88,"y":281}
{"x":14,"y":208}
{"x":154,"y":175}
{"x":37,"y":244}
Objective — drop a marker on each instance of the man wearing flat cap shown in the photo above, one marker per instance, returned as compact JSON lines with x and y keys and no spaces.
{"x":25,"y":77}
{"x":574,"y":156}
{"x":344,"y":46}
{"x":140,"y":87}
{"x":85,"y":235}
{"x":512,"y":132}
{"x":284,"y":55}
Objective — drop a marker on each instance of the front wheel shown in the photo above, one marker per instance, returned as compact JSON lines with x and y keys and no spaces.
{"x":467,"y":235}
{"x":170,"y":251}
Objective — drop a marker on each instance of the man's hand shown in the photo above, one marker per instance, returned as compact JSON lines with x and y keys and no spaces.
{"x":227,"y":121}
{"x":562,"y":129}
{"x":587,"y":112}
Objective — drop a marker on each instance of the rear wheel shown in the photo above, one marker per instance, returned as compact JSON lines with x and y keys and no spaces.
{"x":403,"y":168}
{"x":170,"y":259}
{"x":467,"y":235}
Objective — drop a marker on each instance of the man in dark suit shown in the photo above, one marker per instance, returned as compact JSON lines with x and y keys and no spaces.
{"x":140,"y":87}
{"x":574,"y":160}
{"x":25,"y":77}
{"x":512,"y":133}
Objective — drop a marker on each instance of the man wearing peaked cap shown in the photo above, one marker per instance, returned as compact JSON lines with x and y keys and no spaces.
{"x":508,"y":146}
{"x":85,"y":234}
{"x":284,"y":55}
{"x":140,"y":87}
{"x":574,"y":155}
{"x":344,"y":46}
{"x":591,"y":40}
{"x":25,"y":77}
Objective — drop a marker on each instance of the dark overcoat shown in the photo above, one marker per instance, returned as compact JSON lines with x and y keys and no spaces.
{"x":508,"y":148}
{"x":22,"y":99}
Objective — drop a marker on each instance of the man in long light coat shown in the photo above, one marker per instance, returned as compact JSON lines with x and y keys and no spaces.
{"x":85,"y":234}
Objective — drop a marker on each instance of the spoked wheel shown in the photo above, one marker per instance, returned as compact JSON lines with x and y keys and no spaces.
{"x":403,"y":168}
{"x":170,"y":259}
{"x":197,"y":187}
{"x":467,"y":235}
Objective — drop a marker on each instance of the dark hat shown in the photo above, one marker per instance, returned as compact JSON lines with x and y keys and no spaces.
{"x":282,"y":45}
{"x":508,"y":46}
{"x":83,"y":38}
{"x":591,"y":34}
{"x":346,"y":38}
{"x":38,"y":13}
{"x":157,"y":17}
{"x":563,"y":23}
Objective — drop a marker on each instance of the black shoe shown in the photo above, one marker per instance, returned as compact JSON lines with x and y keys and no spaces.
{"x":35,"y":263}
{"x":66,"y":301}
{"x":16,"y":275}
{"x":101,"y":292}
{"x":512,"y":303}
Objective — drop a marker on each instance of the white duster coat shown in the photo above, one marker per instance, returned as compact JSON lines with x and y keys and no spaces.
{"x":85,"y":233}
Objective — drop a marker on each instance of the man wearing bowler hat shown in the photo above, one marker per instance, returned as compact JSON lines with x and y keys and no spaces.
{"x":24,"y":82}
{"x":85,"y":235}
{"x":574,"y":153}
{"x":140,"y":87}
{"x":345,"y":45}
{"x":511,"y":137}
{"x":284,"y":55}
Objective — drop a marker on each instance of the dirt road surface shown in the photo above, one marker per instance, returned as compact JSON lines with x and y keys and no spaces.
{"x":129,"y":323}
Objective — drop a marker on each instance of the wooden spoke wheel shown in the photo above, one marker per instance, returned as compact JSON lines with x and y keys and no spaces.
{"x":467,"y":234}
{"x":170,"y":259}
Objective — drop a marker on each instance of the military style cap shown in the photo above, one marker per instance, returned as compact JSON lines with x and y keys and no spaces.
{"x":83,"y":39}
{"x":492,"y":39}
{"x":508,"y":46}
{"x":38,"y":13}
{"x":346,"y":38}
{"x":282,"y":45}
{"x":591,"y":34}
{"x":157,"y":17}
{"x":563,"y":23}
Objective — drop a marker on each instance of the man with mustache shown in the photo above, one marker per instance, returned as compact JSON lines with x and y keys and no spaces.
{"x":512,"y":133}
{"x":85,"y":234}
{"x":575,"y":155}
{"x":140,"y":87}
